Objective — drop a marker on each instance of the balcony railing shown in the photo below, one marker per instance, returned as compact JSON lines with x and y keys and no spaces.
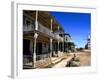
{"x":45,"y":30}
{"x":42,"y":29}
{"x":56,"y":35}
{"x":42,"y":56}
{"x":28,"y":28}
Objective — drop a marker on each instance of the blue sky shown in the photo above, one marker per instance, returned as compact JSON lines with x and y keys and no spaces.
{"x":76,"y":24}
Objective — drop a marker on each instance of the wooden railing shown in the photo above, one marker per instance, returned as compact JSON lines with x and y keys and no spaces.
{"x":42,"y":29}
{"x":28,"y":28}
{"x":45,"y":30}
{"x":42,"y":56}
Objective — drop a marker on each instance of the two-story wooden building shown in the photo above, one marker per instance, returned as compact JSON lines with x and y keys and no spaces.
{"x":41,"y":40}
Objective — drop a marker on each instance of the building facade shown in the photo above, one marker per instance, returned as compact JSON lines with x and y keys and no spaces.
{"x":69,"y":46}
{"x":41,"y":40}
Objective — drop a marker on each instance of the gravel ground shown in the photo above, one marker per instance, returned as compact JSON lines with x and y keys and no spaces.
{"x":85,"y":58}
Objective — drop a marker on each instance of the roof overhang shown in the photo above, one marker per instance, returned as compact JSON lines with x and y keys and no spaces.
{"x":44,"y":17}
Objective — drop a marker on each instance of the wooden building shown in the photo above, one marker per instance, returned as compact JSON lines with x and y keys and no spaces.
{"x":41,"y":40}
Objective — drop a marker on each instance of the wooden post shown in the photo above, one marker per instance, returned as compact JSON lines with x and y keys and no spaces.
{"x":51,"y":24}
{"x":36,"y":21}
{"x":58,"y":39}
{"x":34,"y":52}
{"x":51,"y":40}
{"x":50,"y":48}
{"x":35,"y":37}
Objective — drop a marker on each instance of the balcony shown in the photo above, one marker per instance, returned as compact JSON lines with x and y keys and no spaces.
{"x":58,"y":37}
{"x":42,"y":29}
{"x":28,"y":28}
{"x":47,"y":31}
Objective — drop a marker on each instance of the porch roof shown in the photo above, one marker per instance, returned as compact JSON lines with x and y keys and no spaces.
{"x":44,"y":17}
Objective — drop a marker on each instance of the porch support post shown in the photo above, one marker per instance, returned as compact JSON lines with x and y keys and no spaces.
{"x":51,"y":24}
{"x":35,"y":37}
{"x":68,"y":40}
{"x":67,"y":48}
{"x":36,"y":21}
{"x":51,"y":40}
{"x":34,"y":52}
{"x":50,"y":48}
{"x":63,"y":43}
{"x":58,"y":46}
{"x":62,"y":46}
{"x":58,"y":39}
